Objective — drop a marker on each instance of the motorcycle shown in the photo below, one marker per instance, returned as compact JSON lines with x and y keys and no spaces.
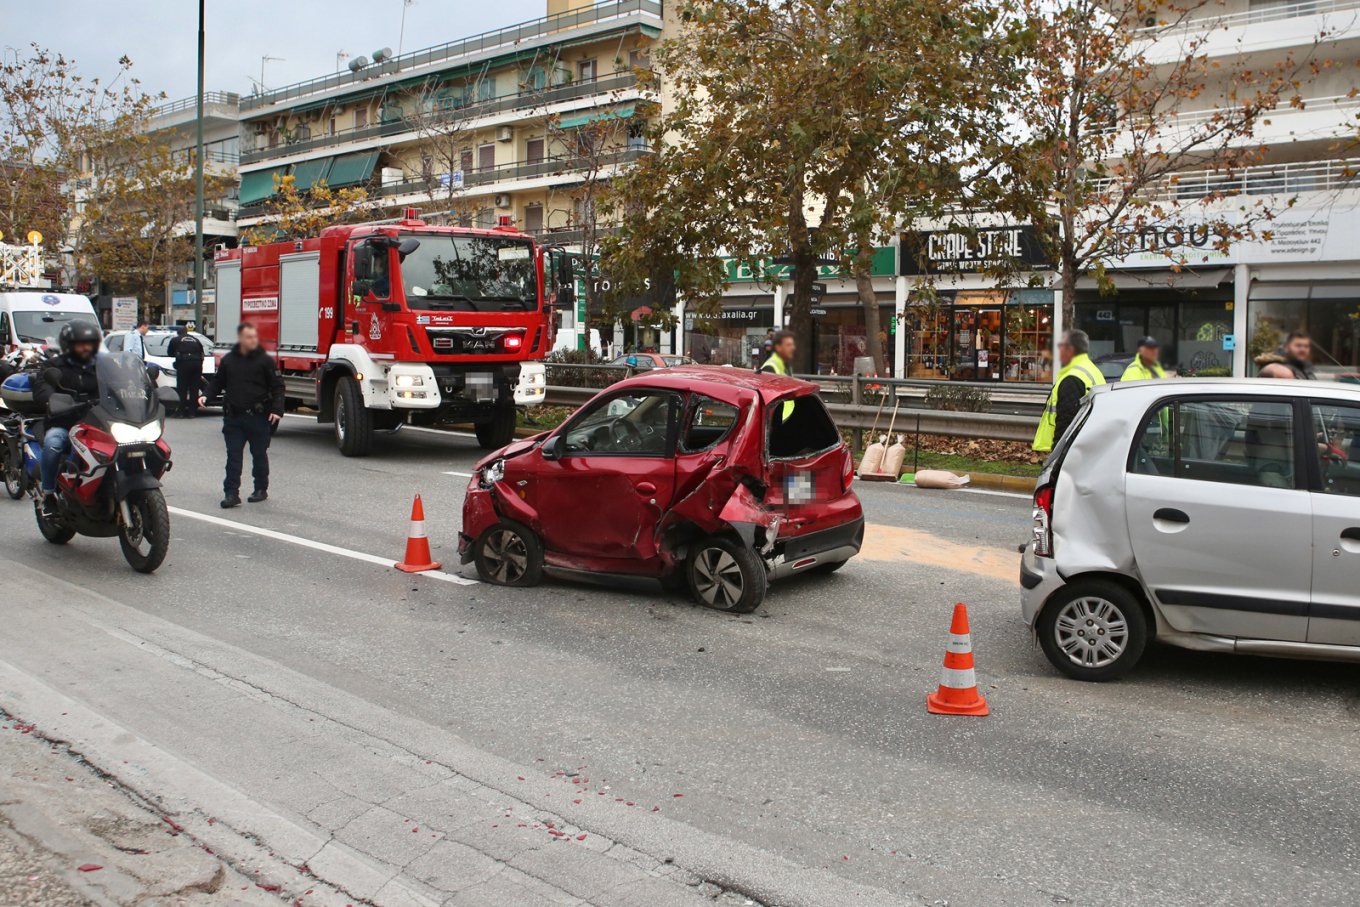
{"x":110,"y":485}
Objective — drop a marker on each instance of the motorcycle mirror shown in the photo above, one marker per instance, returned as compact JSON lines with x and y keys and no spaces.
{"x":408,"y":246}
{"x":52,"y":377}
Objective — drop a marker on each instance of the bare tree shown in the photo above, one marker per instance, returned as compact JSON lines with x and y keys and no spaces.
{"x":444,"y":115}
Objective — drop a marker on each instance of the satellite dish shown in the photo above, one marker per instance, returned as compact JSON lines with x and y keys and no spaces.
{"x":382,"y":55}
{"x":358,"y":63}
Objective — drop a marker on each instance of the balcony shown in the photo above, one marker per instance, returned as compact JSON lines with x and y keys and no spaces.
{"x":1265,"y":29}
{"x":227,"y":98}
{"x":524,"y":102}
{"x":1272,"y":13}
{"x":1269,"y":179}
{"x":515,"y":37}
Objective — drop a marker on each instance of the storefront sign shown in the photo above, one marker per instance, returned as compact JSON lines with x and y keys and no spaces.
{"x":732,"y":318}
{"x":883,"y":264}
{"x":944,"y":251}
{"x":124,"y":313}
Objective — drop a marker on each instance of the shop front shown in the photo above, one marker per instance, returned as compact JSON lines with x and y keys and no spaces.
{"x":978,"y":335}
{"x":734,"y":336}
{"x":1328,"y":311}
{"x":1190,"y":326}
{"x":840,"y":335}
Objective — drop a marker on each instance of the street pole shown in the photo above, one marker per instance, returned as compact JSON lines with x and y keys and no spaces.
{"x":198,"y":188}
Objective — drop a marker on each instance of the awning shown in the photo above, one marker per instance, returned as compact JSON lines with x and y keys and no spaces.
{"x":641,"y":312}
{"x":1160,"y":279}
{"x":353,"y":169}
{"x":258,"y":185}
{"x":618,"y":113}
{"x":308,"y":173}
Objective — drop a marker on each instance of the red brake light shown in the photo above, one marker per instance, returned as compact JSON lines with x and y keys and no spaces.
{"x":1043,"y":522}
{"x":513,"y":342}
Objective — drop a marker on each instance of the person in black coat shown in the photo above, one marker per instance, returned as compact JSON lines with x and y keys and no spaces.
{"x":188,"y":355}
{"x":79,"y":342}
{"x":252,"y":387}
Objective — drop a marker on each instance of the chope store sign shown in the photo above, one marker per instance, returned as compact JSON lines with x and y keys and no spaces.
{"x":945,"y":251}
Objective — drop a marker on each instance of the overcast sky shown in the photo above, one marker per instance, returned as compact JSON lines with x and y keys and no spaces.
{"x":160,"y":35}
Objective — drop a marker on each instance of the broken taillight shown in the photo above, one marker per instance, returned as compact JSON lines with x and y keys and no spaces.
{"x":1043,"y":522}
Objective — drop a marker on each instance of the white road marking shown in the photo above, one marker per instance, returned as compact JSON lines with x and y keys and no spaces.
{"x":838,"y":670}
{"x":466,"y":475}
{"x":1004,"y":494}
{"x":319,"y":546}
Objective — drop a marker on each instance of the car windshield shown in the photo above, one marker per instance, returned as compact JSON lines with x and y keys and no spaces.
{"x":471,"y":274}
{"x":43,"y":327}
{"x":125,"y":390}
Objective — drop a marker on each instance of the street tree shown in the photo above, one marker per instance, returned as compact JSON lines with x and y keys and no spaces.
{"x":1122,"y":98}
{"x":293,"y":213}
{"x":444,"y":113}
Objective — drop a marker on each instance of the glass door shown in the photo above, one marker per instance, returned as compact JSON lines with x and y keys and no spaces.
{"x":977,"y":344}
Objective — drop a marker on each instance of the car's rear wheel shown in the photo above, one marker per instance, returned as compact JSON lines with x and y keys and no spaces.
{"x":726,"y":575}
{"x":1093,"y":629}
{"x":509,"y":554}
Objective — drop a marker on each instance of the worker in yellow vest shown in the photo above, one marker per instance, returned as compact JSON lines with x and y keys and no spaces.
{"x":1144,"y":366}
{"x":1075,"y":380}
{"x":781,"y":362}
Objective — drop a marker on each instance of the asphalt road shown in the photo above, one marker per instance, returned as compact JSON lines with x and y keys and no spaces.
{"x":800,"y":731}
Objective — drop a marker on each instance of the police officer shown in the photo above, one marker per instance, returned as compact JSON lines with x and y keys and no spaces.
{"x":188,"y":355}
{"x":253,"y":405}
{"x":1075,"y":380}
{"x":79,"y":341}
{"x":1144,"y":366}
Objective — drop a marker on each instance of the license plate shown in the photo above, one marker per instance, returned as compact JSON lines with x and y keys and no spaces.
{"x":800,"y":487}
{"x":481,"y":386}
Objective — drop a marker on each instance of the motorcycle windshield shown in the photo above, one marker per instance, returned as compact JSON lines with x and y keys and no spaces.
{"x":125,"y":390}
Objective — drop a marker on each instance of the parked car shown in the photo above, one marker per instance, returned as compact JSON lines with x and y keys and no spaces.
{"x":1112,"y":365}
{"x":1213,"y":514}
{"x":716,"y":478}
{"x":156,"y":341}
{"x":645,"y":361}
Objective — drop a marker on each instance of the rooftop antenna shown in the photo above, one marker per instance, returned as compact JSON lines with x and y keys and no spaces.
{"x":340,"y":56}
{"x":401,"y":41}
{"x":263,"y":60}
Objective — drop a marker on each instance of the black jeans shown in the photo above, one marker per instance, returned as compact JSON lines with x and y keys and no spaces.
{"x":188,"y":378}
{"x":240,"y":430}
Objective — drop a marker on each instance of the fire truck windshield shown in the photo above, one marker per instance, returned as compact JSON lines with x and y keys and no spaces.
{"x":470,"y":274}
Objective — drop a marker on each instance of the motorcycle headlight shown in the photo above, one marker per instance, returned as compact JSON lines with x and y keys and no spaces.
{"x":123,"y":433}
{"x":493,"y":472}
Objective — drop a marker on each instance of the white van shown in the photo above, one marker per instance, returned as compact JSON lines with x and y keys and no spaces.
{"x":32,"y":319}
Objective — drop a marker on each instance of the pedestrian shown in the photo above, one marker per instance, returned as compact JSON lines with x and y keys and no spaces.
{"x":1276,"y":370}
{"x":1144,"y":366}
{"x":1075,"y":380}
{"x":1296,"y":354}
{"x":188,"y":355}
{"x":136,"y":340}
{"x":252,"y":389}
{"x":780,"y":362}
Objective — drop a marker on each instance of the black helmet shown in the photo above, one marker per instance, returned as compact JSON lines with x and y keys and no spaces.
{"x":74,"y":332}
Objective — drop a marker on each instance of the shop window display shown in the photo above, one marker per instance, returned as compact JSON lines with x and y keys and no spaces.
{"x":983,"y":337}
{"x":1333,"y":323}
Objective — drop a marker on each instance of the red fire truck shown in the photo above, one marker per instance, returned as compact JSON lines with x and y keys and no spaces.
{"x":380,"y":325}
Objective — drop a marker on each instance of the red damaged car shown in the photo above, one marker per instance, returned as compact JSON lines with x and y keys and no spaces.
{"x":717,"y":478}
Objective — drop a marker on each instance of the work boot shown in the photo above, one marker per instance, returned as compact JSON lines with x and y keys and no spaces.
{"x":258,"y":495}
{"x":230,"y":501}
{"x":49,"y":504}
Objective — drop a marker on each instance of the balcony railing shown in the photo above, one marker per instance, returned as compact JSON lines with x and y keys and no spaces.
{"x":1192,"y":118}
{"x":506,"y":173}
{"x":509,"y":37}
{"x":1269,"y":179}
{"x":228,"y":98}
{"x":1261,"y":14}
{"x":521,"y":101}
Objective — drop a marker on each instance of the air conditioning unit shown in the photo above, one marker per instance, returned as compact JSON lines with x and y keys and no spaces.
{"x":502,"y":200}
{"x":505,"y":133}
{"x":261,"y":127}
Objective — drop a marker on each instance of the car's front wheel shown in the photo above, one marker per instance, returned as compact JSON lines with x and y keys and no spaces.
{"x":1093,"y":629}
{"x":726,"y":575}
{"x":509,"y":554}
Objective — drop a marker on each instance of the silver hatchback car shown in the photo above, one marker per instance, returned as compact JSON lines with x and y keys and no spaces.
{"x":1214,"y":514}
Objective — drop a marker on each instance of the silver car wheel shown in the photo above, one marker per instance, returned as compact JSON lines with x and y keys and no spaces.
{"x":340,"y":418}
{"x":1092,"y":631}
{"x":718,"y":578}
{"x":506,"y":555}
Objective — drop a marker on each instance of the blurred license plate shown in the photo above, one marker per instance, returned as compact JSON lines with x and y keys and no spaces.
{"x":799,"y":487}
{"x":481,"y":386}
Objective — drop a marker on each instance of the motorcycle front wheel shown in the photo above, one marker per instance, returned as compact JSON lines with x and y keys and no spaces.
{"x":16,"y":480}
{"x":146,"y":537}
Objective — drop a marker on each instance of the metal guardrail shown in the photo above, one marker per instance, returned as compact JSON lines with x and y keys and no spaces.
{"x":511,"y":36}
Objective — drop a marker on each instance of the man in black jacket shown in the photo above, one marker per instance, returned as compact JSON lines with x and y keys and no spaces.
{"x":79,"y":342}
{"x":253,"y":405}
{"x":188,"y":355}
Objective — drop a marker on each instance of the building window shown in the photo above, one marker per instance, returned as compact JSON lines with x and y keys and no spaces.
{"x":533,"y":151}
{"x":303,"y":133}
{"x":486,"y":218}
{"x":486,"y":157}
{"x":486,"y":89}
{"x":331,"y":127}
{"x":533,"y":218}
{"x":534,"y":80}
{"x":637,"y":137}
{"x":981,"y":337}
{"x":465,"y":161}
{"x":361,"y":118}
{"x":640,"y":59}
{"x":586,"y":70}
{"x":1330,"y":316}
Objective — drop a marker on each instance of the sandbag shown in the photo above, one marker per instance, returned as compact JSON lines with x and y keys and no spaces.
{"x":939,"y":478}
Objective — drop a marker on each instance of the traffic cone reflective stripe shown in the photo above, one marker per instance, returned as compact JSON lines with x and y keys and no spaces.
{"x":417,"y":545}
{"x":958,"y":693}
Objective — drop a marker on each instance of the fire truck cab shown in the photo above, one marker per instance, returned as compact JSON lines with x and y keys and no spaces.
{"x":379,"y":325}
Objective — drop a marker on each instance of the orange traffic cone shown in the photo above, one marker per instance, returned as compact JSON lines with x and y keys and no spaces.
{"x":417,"y":546}
{"x":958,"y":694}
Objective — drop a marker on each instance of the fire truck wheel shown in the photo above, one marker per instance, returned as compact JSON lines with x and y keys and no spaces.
{"x":353,"y":421}
{"x":509,"y":554}
{"x":499,"y":432}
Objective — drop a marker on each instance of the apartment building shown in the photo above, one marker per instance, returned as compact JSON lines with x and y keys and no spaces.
{"x":1306,"y":275}
{"x":482,"y":130}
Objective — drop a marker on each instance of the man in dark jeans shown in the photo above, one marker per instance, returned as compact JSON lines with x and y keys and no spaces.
{"x":188,"y":355}
{"x":253,"y":404}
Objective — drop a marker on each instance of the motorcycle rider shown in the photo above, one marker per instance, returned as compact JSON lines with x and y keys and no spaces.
{"x":79,"y":341}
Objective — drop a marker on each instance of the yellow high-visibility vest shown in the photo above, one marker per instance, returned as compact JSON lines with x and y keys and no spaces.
{"x":1081,"y":366}
{"x":1137,"y":371}
{"x":780,"y":368}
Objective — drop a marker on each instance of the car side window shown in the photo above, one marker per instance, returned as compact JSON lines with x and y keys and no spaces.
{"x":709,"y":422}
{"x":4,"y":328}
{"x":632,"y":425}
{"x":114,"y":344}
{"x":1239,"y":442}
{"x":1338,"y":447}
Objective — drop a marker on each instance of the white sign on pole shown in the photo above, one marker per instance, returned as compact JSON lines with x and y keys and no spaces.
{"x":124,"y":313}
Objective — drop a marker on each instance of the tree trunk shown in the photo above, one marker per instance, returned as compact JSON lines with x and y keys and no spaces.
{"x":864,"y":283}
{"x":804,"y":275}
{"x":1069,"y":293}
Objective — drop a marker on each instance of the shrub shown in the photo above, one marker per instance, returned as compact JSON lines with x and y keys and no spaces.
{"x":959,"y":398}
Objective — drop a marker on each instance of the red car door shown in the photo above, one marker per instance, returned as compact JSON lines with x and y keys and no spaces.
{"x":614,"y":480}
